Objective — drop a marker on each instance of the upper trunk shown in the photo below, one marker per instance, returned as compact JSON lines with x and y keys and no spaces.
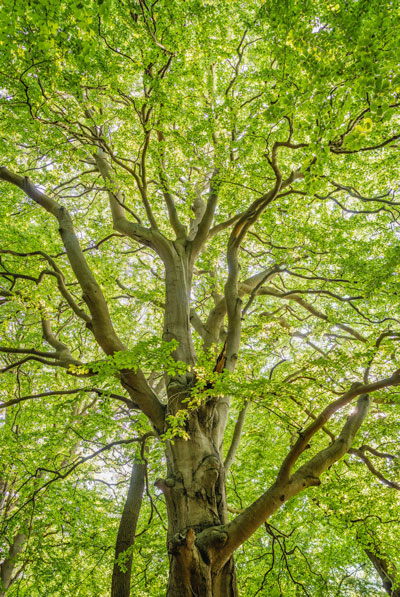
{"x":178,"y":280}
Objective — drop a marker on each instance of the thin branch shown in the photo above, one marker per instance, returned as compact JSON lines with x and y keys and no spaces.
{"x":97,"y":391}
{"x":62,"y":475}
{"x":361,"y":455}
{"x":237,"y":435}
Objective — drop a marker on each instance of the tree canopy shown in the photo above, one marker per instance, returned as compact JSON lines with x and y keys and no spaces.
{"x":199,"y":298}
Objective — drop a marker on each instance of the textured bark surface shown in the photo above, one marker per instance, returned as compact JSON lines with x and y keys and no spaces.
{"x":195,"y":498}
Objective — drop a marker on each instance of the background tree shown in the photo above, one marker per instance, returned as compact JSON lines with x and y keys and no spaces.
{"x":200,"y":276}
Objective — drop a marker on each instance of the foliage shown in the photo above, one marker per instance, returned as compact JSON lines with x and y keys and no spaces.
{"x":151,"y":110}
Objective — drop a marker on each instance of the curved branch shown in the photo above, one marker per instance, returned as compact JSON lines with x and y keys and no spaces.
{"x":361,"y":455}
{"x":217,"y":314}
{"x":98,"y":391}
{"x":60,"y":280}
{"x":356,"y":389}
{"x":336,"y":149}
{"x":311,"y":309}
{"x":221,"y":542}
{"x":31,"y":351}
{"x":62,"y":475}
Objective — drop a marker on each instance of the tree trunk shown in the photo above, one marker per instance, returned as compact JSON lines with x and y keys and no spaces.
{"x":195,"y":485}
{"x":121,"y":578}
{"x":195,"y":496}
{"x":8,"y":565}
{"x":386,"y":573}
{"x":178,"y":280}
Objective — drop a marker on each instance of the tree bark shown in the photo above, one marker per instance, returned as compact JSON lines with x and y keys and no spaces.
{"x":386,"y":573}
{"x":8,"y":565}
{"x":178,"y":281}
{"x":195,"y":496}
{"x":121,"y":578}
{"x":194,"y":488}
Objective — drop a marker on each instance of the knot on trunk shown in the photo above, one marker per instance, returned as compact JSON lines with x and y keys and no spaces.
{"x":178,"y":387}
{"x":210,"y":541}
{"x":312,"y":481}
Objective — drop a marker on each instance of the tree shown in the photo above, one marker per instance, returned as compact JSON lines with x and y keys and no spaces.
{"x":200,"y":223}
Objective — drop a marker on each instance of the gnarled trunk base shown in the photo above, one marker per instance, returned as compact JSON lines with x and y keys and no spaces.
{"x":191,"y":573}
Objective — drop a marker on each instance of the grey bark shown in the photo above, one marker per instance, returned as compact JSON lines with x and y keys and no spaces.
{"x":195,"y":497}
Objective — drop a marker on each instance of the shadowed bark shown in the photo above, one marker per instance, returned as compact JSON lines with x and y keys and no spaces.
{"x":8,"y":565}
{"x":121,"y":578}
{"x":387,"y":573}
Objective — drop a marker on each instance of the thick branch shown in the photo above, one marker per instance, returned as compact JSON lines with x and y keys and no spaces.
{"x":198,"y":325}
{"x":92,"y":294}
{"x":356,"y":389}
{"x":149,"y":237}
{"x":217,"y":314}
{"x":206,"y":221}
{"x":248,"y":218}
{"x":101,"y":324}
{"x":247,"y":522}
